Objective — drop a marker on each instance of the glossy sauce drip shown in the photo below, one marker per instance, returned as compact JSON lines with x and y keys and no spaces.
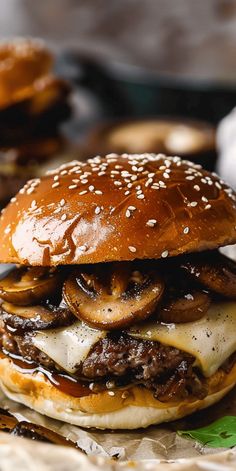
{"x":63,"y":382}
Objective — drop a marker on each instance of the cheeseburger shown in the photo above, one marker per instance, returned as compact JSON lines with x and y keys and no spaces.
{"x":121,"y":312}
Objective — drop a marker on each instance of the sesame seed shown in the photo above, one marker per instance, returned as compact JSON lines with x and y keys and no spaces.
{"x":140,"y":197}
{"x":98,"y":192}
{"x":72,"y":187}
{"x":55,"y":184}
{"x":165,"y":175}
{"x":204,"y":199}
{"x":117,"y":183}
{"x":129,"y":185}
{"x":111,"y":393}
{"x":165,"y":254}
{"x":127,"y":193}
{"x":190,"y":177}
{"x":7,"y":230}
{"x":148,"y":182}
{"x":132,"y":249}
{"x":134,"y":177}
{"x":56,"y":178}
{"x":151,"y":222}
{"x":97,"y":210}
{"x":167,"y":163}
{"x":217,"y":184}
{"x":100,"y":174}
{"x":186,"y":230}
{"x":35,"y":183}
{"x":196,"y":187}
{"x":63,"y":217}
{"x":193,"y":204}
{"x":62,"y":202}
{"x":132,"y":208}
{"x":13,"y":200}
{"x":127,"y":213}
{"x":208,"y":206}
{"x":30,"y":191}
{"x":91,"y":188}
{"x":64,"y":172}
{"x":125,"y":394}
{"x":84,"y":181}
{"x":58,"y":210}
{"x":83,"y":192}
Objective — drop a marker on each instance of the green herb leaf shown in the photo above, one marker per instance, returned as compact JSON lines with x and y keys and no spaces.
{"x":219,"y":434}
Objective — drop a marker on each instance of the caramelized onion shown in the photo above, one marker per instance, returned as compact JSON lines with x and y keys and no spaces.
{"x":215,"y":271}
{"x":30,"y":318}
{"x":26,"y":286}
{"x":184,"y":307}
{"x":112,"y":298}
{"x":9,"y":423}
{"x":38,"y":432}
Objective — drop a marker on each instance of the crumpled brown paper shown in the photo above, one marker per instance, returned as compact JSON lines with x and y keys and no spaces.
{"x":145,"y":448}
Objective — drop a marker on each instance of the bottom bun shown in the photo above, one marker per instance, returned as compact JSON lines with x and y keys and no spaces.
{"x":129,"y":408}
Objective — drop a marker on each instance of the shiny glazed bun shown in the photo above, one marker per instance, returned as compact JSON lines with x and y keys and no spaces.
{"x":131,"y":408}
{"x":22,"y":63}
{"x":117,"y":208}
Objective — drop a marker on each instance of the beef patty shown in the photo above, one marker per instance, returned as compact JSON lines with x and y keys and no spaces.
{"x":120,"y":360}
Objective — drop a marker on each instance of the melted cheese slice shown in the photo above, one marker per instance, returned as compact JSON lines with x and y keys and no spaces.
{"x":211,"y":339}
{"x":68,"y":346}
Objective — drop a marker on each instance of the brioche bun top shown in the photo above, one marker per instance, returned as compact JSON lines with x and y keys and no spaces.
{"x":117,"y":208}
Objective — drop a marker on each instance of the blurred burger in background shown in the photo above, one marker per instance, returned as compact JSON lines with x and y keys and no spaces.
{"x":33,"y":104}
{"x":187,"y":138}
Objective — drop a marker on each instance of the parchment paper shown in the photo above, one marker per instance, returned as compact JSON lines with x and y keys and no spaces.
{"x":147,"y":445}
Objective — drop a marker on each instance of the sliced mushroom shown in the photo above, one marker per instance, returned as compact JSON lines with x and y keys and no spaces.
{"x":213,"y":270}
{"x":113,"y":297}
{"x":184,"y":307}
{"x":26,"y":286}
{"x":30,"y":318}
